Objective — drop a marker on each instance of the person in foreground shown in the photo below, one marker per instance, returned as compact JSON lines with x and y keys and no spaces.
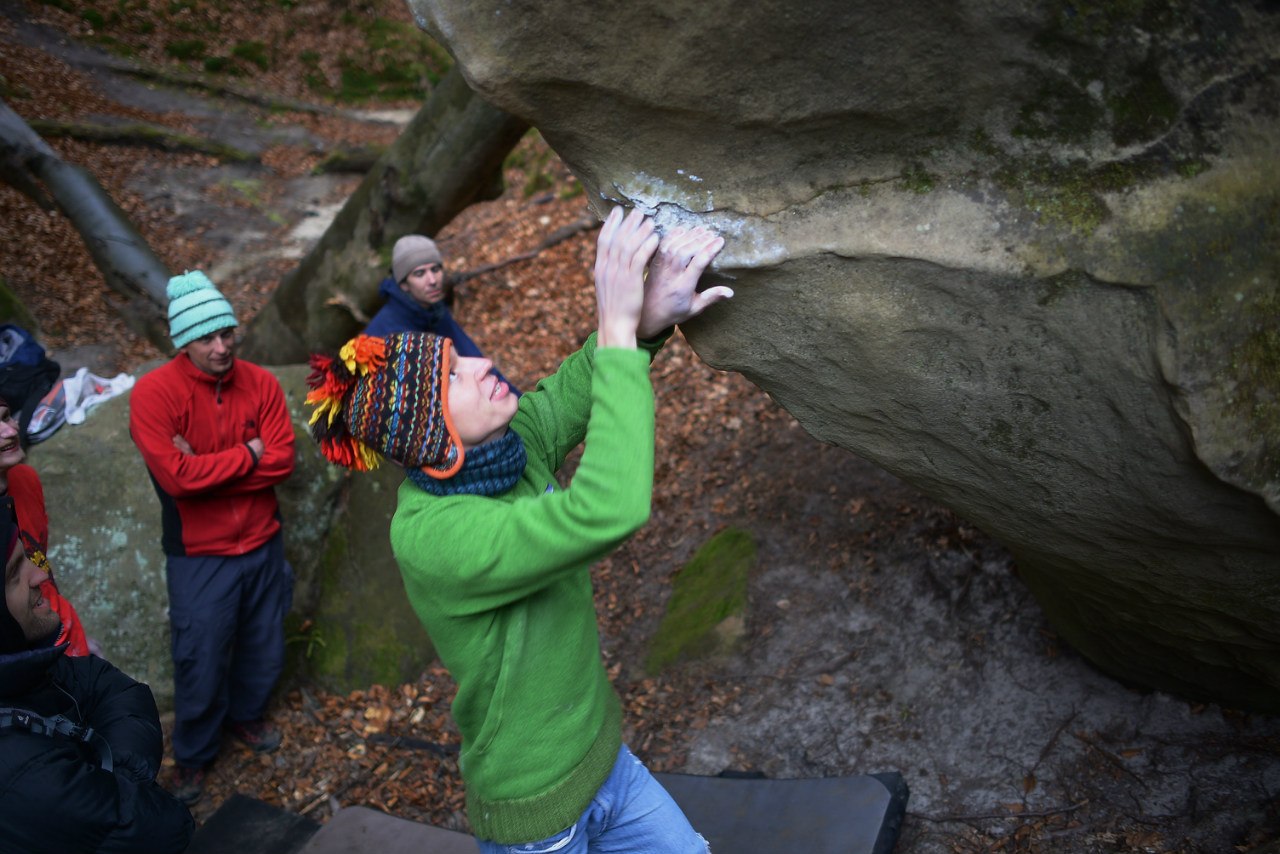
{"x":80,"y":742}
{"x":496,"y":557}
{"x":215,"y":434}
{"x":418,"y":298}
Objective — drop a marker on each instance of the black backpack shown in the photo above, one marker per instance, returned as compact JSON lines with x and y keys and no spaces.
{"x":26,"y":375}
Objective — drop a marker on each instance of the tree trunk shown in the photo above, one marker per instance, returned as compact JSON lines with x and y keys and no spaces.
{"x":125,"y":260}
{"x":445,"y":160}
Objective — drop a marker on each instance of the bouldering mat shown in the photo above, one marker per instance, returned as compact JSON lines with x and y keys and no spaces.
{"x":244,"y":825}
{"x":828,"y":815}
{"x":737,"y":815}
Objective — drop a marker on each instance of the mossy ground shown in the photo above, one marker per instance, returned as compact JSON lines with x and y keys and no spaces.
{"x":543,"y":171}
{"x":381,"y":58}
{"x":403,"y":62}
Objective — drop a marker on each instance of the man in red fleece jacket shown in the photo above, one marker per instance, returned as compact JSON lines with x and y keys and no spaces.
{"x":215,"y":434}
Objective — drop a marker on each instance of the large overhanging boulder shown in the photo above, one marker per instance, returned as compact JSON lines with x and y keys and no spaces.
{"x":1023,"y":255}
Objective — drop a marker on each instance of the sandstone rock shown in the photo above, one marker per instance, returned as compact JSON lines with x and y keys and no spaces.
{"x":1022,"y":255}
{"x":104,"y":521}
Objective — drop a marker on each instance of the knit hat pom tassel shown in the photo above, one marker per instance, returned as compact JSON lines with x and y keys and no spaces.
{"x":364,"y":354}
{"x":331,"y":380}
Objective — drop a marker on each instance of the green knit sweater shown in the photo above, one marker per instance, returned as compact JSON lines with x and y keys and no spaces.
{"x":502,"y":584}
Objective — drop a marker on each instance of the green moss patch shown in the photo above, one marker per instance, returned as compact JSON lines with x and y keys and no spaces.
{"x":1144,"y":110}
{"x":1099,"y":20}
{"x":10,"y":91}
{"x":1060,"y":111}
{"x":536,"y":162}
{"x":917,"y":179}
{"x":401,"y":62}
{"x":1255,"y":364}
{"x":219,"y":65}
{"x":383,"y":60}
{"x":186,"y":49}
{"x":708,"y":591}
{"x":1122,"y":46}
{"x":12,"y":309}
{"x":1070,"y":194}
{"x":253,"y":52}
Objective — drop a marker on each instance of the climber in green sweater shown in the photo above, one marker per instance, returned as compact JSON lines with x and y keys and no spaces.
{"x":496,"y":557}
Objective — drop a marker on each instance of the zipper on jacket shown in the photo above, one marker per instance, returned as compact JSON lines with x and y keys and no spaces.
{"x":217,"y":392}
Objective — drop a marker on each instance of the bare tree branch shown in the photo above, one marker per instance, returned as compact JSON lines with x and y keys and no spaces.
{"x":560,"y":235}
{"x":126,"y":261}
{"x":142,"y":133}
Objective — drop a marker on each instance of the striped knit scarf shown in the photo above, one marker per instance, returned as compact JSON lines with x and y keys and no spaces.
{"x":489,"y":469}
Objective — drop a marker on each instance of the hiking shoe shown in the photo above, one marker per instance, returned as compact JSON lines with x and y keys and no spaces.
{"x":258,"y":736}
{"x":186,"y":784}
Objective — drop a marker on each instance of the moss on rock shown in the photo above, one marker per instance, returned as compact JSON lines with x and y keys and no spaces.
{"x":363,"y":630}
{"x":710,"y":591}
{"x":1071,"y":195}
{"x":1255,"y":363}
{"x":1145,"y":108}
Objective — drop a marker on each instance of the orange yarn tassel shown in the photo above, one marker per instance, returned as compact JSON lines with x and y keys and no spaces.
{"x":364,"y":353}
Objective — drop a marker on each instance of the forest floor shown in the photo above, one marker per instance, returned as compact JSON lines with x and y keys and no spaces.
{"x":883,"y":633}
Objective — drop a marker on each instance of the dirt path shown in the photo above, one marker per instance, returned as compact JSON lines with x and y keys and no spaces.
{"x":883,"y":633}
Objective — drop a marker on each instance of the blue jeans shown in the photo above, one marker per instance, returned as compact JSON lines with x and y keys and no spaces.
{"x":630,"y":814}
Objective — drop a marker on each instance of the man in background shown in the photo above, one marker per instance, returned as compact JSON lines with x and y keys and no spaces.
{"x":215,"y":434}
{"x":419,"y":299}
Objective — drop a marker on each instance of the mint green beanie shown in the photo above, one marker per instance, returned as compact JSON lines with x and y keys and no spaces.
{"x":196,"y":308}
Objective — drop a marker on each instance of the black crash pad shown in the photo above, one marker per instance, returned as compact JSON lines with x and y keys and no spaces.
{"x":833,"y":815}
{"x":244,"y":825}
{"x":828,"y":815}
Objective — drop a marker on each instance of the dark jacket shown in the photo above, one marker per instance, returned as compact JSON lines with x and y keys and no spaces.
{"x":53,"y":795}
{"x":402,"y":313}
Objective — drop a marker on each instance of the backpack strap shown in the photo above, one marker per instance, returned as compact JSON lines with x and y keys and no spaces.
{"x":57,"y":726}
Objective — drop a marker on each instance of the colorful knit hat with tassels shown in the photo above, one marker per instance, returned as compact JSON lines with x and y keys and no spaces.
{"x":386,"y":397}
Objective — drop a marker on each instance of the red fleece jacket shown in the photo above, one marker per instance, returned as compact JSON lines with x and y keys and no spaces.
{"x":218,"y":500}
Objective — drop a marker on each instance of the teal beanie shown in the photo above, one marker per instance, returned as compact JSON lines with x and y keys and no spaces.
{"x":196,"y":308}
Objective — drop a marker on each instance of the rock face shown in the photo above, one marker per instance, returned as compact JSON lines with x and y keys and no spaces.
{"x":104,"y":521}
{"x":1023,"y":255}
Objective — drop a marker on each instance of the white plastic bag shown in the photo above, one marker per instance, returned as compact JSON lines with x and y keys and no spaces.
{"x":85,"y":391}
